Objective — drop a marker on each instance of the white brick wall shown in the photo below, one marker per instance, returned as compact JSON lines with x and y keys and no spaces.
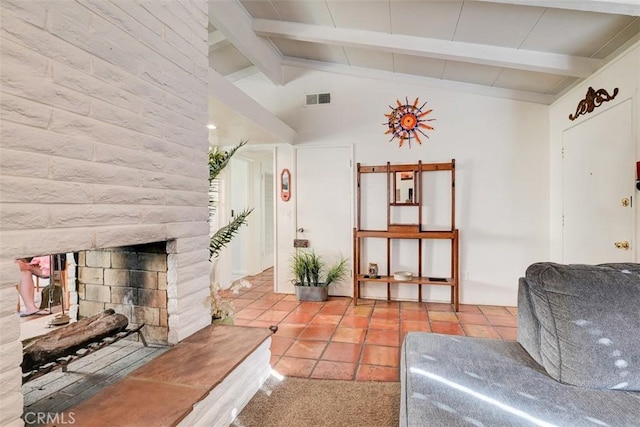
{"x":103,"y":110}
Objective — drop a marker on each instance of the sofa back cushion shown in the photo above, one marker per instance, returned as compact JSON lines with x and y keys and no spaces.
{"x":589,"y":319}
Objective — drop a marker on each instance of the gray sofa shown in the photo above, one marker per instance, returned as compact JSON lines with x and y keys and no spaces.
{"x":576,"y":362}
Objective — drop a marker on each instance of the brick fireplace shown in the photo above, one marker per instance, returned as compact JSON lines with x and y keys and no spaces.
{"x":132,"y":280}
{"x":104,"y":145}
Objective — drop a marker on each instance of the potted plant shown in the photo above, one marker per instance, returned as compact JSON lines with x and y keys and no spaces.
{"x":312,"y":276}
{"x":221,"y":307}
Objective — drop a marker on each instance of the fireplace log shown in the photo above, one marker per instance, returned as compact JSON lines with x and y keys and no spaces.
{"x":67,"y":340}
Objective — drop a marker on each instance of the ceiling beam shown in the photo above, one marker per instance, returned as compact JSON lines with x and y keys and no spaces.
{"x":242,"y":74}
{"x":232,"y":20}
{"x":496,"y":56}
{"x":618,"y":7}
{"x":217,"y":40}
{"x":236,"y":100}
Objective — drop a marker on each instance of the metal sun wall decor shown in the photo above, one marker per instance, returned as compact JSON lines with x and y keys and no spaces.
{"x":592,"y":99}
{"x":407,"y":121}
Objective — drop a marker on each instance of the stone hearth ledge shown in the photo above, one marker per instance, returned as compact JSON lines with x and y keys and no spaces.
{"x":206,"y":379}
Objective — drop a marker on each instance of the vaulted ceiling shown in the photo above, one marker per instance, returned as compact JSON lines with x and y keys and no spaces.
{"x":530,"y":50}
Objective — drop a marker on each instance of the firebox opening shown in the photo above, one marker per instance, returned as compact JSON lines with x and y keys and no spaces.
{"x":132,"y":280}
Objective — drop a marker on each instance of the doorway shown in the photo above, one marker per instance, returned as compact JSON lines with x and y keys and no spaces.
{"x":252,"y":187}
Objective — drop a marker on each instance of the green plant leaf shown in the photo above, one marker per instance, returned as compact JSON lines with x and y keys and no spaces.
{"x":337,"y":272}
{"x":298,"y":267}
{"x":218,"y":160}
{"x":224,"y":235}
{"x":308,"y":269}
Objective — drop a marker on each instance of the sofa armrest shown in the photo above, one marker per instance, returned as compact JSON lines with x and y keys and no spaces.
{"x":589,"y":319}
{"x":528,"y":322}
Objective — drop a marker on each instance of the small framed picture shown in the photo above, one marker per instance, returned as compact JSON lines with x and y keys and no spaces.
{"x":404,"y":176}
{"x":285,"y":185}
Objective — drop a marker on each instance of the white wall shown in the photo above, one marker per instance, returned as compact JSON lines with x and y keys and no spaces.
{"x":285,"y":231}
{"x":103,"y":144}
{"x":624,"y":73}
{"x":241,"y":173}
{"x":501,"y":151}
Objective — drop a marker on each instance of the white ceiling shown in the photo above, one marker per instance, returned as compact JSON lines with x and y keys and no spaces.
{"x":530,"y":50}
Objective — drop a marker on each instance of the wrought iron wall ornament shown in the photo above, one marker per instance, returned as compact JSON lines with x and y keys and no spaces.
{"x":406,"y":121}
{"x":592,"y":100}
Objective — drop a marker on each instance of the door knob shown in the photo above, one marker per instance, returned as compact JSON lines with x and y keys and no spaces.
{"x":300,"y":230}
{"x":624,"y":245}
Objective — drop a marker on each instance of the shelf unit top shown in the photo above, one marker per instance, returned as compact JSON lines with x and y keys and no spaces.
{"x":426,"y":167}
{"x":417,"y":169}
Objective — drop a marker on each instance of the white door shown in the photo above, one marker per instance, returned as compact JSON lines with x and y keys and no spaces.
{"x":323,"y":209}
{"x":598,"y":175}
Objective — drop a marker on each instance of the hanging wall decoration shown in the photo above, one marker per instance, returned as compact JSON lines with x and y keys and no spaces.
{"x":407,"y":121}
{"x":592,"y":99}
{"x":285,"y":185}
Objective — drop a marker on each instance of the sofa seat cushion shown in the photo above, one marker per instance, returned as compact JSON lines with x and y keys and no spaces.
{"x":589,"y":318}
{"x":464,"y":381}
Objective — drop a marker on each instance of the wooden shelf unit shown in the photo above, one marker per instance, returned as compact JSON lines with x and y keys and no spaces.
{"x":406,"y":231}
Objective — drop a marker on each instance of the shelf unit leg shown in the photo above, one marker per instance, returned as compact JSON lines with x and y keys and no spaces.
{"x":455,"y":290}
{"x":457,"y":303}
{"x":419,"y":266}
{"x":356,"y":285}
{"x":356,"y":266}
{"x":355,"y":291}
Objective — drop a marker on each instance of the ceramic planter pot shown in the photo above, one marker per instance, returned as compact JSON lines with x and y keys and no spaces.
{"x":312,"y":293}
{"x":226,"y":321}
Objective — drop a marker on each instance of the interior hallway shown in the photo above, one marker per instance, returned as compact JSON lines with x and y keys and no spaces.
{"x":337,"y":340}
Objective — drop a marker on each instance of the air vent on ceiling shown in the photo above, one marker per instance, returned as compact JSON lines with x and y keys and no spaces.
{"x":318,"y":98}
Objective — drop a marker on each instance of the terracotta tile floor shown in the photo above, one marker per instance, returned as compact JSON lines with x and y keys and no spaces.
{"x":337,"y":340}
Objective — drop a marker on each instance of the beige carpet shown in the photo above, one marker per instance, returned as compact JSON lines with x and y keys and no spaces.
{"x":298,"y":402}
